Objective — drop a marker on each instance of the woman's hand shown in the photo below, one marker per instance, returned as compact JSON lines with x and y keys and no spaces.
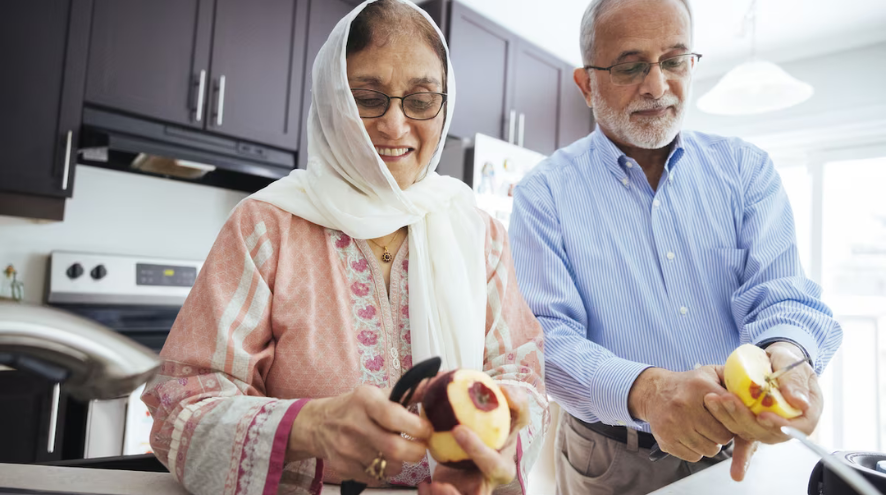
{"x":494,"y":468}
{"x":350,"y":430}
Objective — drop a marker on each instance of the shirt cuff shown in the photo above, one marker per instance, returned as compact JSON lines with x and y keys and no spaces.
{"x":612,"y":385}
{"x":792,"y":334}
{"x":278,"y":452}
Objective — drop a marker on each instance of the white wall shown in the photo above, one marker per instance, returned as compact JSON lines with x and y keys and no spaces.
{"x":850,"y":90}
{"x":118,"y":213}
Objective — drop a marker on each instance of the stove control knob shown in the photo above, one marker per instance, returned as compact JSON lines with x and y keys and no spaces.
{"x":74,"y":271}
{"x":98,"y":272}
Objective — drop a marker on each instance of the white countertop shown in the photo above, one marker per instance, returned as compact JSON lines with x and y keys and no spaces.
{"x":781,"y":469}
{"x":111,"y":482}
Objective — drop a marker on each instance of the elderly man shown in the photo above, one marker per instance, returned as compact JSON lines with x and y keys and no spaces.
{"x":649,"y":255}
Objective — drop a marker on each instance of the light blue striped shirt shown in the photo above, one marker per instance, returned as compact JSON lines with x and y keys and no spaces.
{"x":622,"y":277}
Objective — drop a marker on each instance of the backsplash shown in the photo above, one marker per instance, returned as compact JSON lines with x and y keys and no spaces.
{"x":118,"y":213}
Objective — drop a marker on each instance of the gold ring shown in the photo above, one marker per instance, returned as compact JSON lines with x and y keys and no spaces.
{"x":377,"y":468}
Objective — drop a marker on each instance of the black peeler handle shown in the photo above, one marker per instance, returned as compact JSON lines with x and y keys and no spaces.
{"x":402,"y":393}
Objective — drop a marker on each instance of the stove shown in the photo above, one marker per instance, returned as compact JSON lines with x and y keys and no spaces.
{"x":139,"y":297}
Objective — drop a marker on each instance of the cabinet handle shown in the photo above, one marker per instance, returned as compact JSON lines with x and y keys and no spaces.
{"x":53,"y":418}
{"x":67,"y":169}
{"x":521,"y":126}
{"x":201,"y":89}
{"x":221,"y":101}
{"x":512,"y":121}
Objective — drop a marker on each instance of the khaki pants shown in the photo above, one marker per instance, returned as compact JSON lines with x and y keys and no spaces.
{"x":588,"y":463}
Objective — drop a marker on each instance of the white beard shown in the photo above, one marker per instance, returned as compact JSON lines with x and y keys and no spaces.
{"x":649,"y":133}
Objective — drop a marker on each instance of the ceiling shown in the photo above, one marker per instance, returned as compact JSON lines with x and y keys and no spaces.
{"x":786,"y":29}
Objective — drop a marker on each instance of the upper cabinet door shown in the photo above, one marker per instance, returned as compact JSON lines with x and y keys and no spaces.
{"x":481,"y":52}
{"x":537,"y":84}
{"x":149,"y":57}
{"x":43,"y":50}
{"x":324,"y":16}
{"x":257,"y":64}
{"x":576,"y":118}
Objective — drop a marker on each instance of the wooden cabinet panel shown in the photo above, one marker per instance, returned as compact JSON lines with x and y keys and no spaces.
{"x":43,"y":46}
{"x":147,"y":56}
{"x":576,"y":119}
{"x":258,"y":56}
{"x":323,"y":17}
{"x":481,"y":52}
{"x":536,"y":88}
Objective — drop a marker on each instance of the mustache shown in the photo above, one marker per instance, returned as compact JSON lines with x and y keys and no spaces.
{"x":667,"y":100}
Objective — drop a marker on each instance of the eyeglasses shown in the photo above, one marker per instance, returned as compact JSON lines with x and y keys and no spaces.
{"x":417,"y":106}
{"x":630,"y":73}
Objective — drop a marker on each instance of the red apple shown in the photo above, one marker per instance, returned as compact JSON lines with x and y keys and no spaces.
{"x":470,"y":398}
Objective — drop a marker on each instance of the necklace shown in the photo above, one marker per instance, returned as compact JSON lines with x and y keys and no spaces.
{"x":386,"y":257}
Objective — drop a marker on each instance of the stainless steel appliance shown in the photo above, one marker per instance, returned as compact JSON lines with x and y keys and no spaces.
{"x":138,"y":299}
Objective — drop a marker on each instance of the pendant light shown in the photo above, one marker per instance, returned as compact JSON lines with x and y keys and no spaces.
{"x":756,"y":86}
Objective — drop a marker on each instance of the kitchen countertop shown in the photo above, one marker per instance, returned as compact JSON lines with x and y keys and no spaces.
{"x":70,"y":480}
{"x":783,"y":469}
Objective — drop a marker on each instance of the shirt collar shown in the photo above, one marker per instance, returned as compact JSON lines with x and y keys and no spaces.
{"x":615,"y":159}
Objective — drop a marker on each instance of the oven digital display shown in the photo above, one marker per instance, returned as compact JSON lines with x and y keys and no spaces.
{"x":165,"y":275}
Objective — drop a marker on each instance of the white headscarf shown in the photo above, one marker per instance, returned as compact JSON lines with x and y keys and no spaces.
{"x":348,"y":187}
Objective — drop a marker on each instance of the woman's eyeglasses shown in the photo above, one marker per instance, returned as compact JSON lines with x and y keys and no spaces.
{"x":630,"y":73}
{"x":372,"y":104}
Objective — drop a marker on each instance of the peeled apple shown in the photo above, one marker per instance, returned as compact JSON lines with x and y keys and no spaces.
{"x":470,"y":398}
{"x":745,"y":374}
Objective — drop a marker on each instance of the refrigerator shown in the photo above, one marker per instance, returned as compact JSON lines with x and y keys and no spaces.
{"x":497,"y":168}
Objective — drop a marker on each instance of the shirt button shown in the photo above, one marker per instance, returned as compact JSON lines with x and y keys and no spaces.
{"x":629,"y":165}
{"x":671,"y":256}
{"x":621,"y":423}
{"x":625,"y":182}
{"x":684,"y":310}
{"x":656,"y":203}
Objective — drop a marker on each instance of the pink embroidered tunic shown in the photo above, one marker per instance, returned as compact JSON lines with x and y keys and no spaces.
{"x":285,"y":311}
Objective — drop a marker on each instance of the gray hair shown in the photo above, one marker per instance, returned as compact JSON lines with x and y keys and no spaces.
{"x":589,"y":25}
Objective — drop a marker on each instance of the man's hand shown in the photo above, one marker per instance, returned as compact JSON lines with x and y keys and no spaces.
{"x":798,"y":386}
{"x":673,"y":405}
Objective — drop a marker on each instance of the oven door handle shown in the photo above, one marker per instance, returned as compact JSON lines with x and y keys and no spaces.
{"x":53,"y":418}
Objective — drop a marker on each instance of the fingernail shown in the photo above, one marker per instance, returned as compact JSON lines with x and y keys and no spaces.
{"x":729,"y":406}
{"x":802,"y":398}
{"x":765,"y":423}
{"x":714,"y":407}
{"x":747,"y":466}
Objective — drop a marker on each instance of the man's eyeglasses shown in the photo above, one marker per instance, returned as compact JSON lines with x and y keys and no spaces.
{"x":630,"y":73}
{"x":417,"y":106}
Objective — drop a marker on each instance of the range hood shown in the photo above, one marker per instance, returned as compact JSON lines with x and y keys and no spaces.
{"x":122,"y":142}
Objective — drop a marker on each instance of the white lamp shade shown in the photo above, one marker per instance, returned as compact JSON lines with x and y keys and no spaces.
{"x":754,"y":87}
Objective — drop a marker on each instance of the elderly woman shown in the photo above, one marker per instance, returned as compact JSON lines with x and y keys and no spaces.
{"x":325,"y":287}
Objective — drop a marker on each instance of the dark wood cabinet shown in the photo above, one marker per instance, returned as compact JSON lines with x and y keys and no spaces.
{"x":576,"y":118}
{"x":323,"y":17}
{"x":482,"y":56}
{"x":226,"y":66}
{"x":537,"y":85}
{"x":41,"y":95}
{"x":509,"y":88}
{"x":257,"y":64}
{"x":147,"y":57}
